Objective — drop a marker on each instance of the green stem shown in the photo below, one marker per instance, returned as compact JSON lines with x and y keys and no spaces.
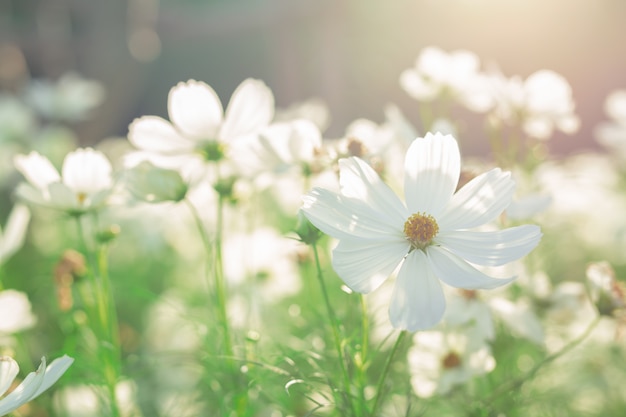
{"x":335,"y":330}
{"x":208,"y":248}
{"x":364,"y":328}
{"x":220,"y":285}
{"x":383,"y":376}
{"x":518,"y":382}
{"x":107,"y":325}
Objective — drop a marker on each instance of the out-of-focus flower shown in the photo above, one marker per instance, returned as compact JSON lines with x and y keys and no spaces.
{"x":539,"y":105}
{"x":441,"y":359}
{"x":15,"y":312}
{"x":608,"y":294}
{"x":85,"y":184}
{"x":12,"y":237}
{"x":437,"y":73}
{"x":429,"y":237}
{"x":612,"y":134}
{"x":286,"y":145}
{"x":33,"y":385}
{"x":199,"y":129}
{"x":70,"y":98}
{"x":152,"y":184}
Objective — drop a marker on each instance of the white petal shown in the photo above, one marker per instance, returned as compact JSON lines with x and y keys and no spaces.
{"x":480,"y":201}
{"x":54,"y":371}
{"x":251,"y":108}
{"x":492,"y":248}
{"x":365,"y":264}
{"x":86,"y":170}
{"x":417,"y":302}
{"x":154,"y":134}
{"x":24,"y":391}
{"x":455,"y":272}
{"x":62,"y":197}
{"x":28,"y":193}
{"x":358,"y":180}
{"x":347,"y":218}
{"x":195,"y":109}
{"x":15,"y":231}
{"x":431,"y":173}
{"x":37,"y":169}
{"x":8,"y":371}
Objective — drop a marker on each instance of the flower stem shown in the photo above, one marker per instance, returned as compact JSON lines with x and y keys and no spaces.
{"x":335,"y":330}
{"x":220,"y":285}
{"x":518,"y":382}
{"x":383,"y":376}
{"x":107,"y":326}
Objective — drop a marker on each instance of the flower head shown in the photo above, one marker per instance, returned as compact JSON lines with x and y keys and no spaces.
{"x":33,"y":385}
{"x":429,"y":236}
{"x":84,"y":184}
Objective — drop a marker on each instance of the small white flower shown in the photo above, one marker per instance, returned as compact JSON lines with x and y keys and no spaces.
{"x":199,"y":127}
{"x":456,"y":74}
{"x":606,"y":292}
{"x":439,"y":360}
{"x":429,"y":237}
{"x":15,"y":312}
{"x":12,"y":237}
{"x":540,"y":104}
{"x":33,"y":385}
{"x":84,"y":185}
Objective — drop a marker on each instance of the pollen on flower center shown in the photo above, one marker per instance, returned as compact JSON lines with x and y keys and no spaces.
{"x":451,"y":360}
{"x":420,"y":229}
{"x":81,"y":197}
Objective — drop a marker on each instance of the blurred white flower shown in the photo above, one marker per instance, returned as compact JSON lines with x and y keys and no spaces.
{"x":199,"y":129}
{"x":612,"y":134}
{"x":286,"y":145}
{"x":263,"y":262}
{"x":429,"y":236}
{"x":539,"y":105}
{"x":32,"y":386}
{"x":12,"y":237}
{"x":440,"y":359}
{"x":85,"y":184}
{"x":457,"y":74}
{"x":70,"y":98}
{"x":15,"y":312}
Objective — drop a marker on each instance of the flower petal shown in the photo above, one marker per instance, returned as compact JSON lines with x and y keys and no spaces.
{"x":195,"y":109}
{"x":417,"y":302}
{"x":24,"y":391}
{"x":480,"y":201}
{"x":455,"y":272}
{"x":250,"y":109}
{"x":154,"y":134}
{"x":359,"y":180}
{"x":492,"y":248}
{"x":365,"y":264}
{"x":54,"y":371}
{"x":87,"y":171}
{"x":431,"y":173}
{"x":348,"y":218}
{"x":8,"y":371}
{"x":37,"y":169}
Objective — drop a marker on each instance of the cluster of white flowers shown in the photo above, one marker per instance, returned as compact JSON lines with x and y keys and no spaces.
{"x":453,"y":234}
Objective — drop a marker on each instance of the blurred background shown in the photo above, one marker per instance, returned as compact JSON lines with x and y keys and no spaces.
{"x":349,"y":53}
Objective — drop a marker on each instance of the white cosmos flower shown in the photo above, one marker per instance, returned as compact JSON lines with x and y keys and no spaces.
{"x":15,"y":312}
{"x":429,"y":236}
{"x":12,"y":237}
{"x":199,"y":127}
{"x":32,"y":386}
{"x":84,"y":184}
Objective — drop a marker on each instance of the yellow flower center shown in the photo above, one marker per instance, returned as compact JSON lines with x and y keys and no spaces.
{"x":420,"y":229}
